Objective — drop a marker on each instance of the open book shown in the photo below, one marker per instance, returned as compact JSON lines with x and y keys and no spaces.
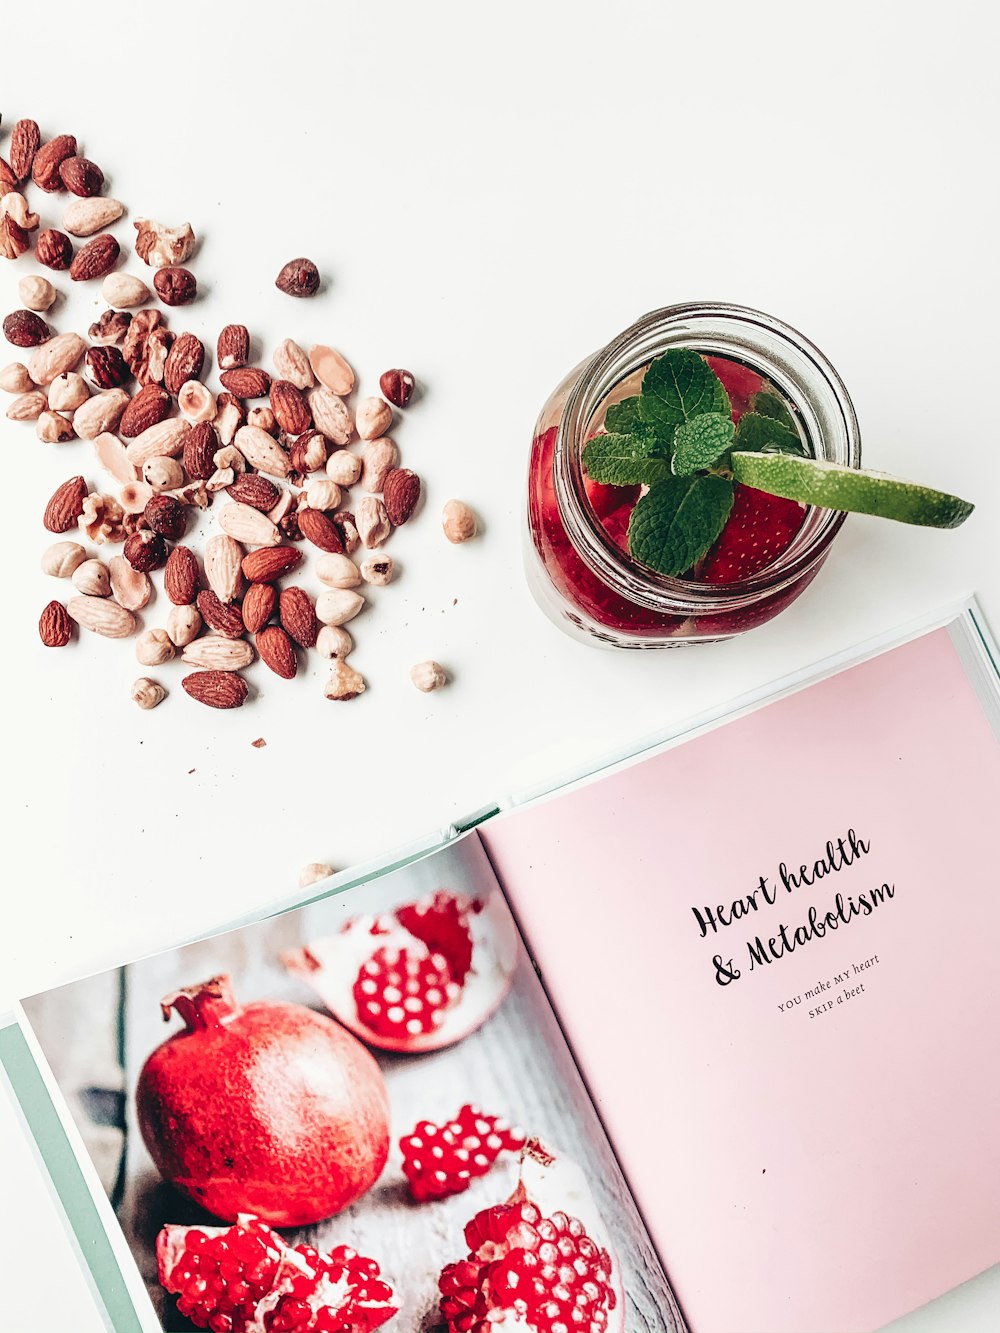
{"x":742,"y":986}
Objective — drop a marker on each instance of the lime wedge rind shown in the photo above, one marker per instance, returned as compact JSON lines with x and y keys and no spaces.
{"x":851,"y":490}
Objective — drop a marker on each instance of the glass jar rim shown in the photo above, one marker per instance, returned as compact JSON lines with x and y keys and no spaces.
{"x":638,"y":583}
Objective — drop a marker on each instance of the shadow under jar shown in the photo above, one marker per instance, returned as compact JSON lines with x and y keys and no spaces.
{"x":579,"y":569}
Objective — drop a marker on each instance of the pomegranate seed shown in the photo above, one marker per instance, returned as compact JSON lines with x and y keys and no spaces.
{"x":439,"y":1160}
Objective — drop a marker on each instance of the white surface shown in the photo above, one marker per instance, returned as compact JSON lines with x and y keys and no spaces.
{"x":492,"y":198}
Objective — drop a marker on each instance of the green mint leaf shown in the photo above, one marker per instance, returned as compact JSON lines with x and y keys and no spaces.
{"x":700,"y":441}
{"x":624,"y":460}
{"x":677,"y":386}
{"x":676,"y":522}
{"x":757,"y":434}
{"x":623,"y":418}
{"x":769,"y":404}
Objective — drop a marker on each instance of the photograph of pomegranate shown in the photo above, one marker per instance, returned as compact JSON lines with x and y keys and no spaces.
{"x":333,"y":1119}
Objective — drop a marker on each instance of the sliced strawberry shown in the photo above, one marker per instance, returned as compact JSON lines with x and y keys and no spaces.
{"x":606,"y":500}
{"x":739,"y":382}
{"x":760,"y":527}
{"x":439,"y":1160}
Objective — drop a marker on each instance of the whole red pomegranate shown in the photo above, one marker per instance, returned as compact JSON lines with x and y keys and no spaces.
{"x":269,"y":1109}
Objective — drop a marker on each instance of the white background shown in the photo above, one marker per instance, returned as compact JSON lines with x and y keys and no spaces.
{"x":492,"y":196}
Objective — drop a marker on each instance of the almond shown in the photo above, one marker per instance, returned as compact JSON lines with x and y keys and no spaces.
{"x":224,"y":617}
{"x":100,"y":414}
{"x":184,"y":362}
{"x":201,"y":444}
{"x":331,"y":369}
{"x":276,"y":651}
{"x":23,"y":328}
{"x":129,"y":587}
{"x":289,"y":407}
{"x":25,"y":139}
{"x":66,"y":505}
{"x":320,"y":529}
{"x":270,"y":563}
{"x":217,"y":689}
{"x":148,"y":408}
{"x":372,"y":519}
{"x":256,"y":491}
{"x":180,"y":576}
{"x":102,"y":616}
{"x":54,"y":249}
{"x":55,"y":628}
{"x":97,"y":258}
{"x":262,"y":452}
{"x":58,"y":355}
{"x":124,"y":291}
{"x":248,"y":525}
{"x":259,"y":606}
{"x":292,"y":364}
{"x":81,"y":176}
{"x":215,"y":652}
{"x":298,"y":616}
{"x":48,"y":159}
{"x":166,"y":439}
{"x":107,"y":367}
{"x":330,"y":415}
{"x":110,"y":453}
{"x":61,"y":558}
{"x":400,"y":494}
{"x":233,"y":347}
{"x":223,"y":560}
{"x":84,"y":217}
{"x":246,"y":382}
{"x":27,"y":406}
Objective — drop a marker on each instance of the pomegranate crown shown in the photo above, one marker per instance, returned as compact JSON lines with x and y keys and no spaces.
{"x":209,"y":1004}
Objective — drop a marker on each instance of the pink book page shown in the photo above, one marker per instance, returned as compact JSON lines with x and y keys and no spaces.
{"x":809,"y":1118}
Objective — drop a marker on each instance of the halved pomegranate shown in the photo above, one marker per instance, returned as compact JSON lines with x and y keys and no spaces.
{"x":245,"y":1279}
{"x":418,"y":978}
{"x":539,"y":1263}
{"x":266,"y":1108}
{"x":439,"y":1160}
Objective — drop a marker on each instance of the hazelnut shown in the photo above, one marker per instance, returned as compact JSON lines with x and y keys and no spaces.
{"x":323,"y":495}
{"x":428,"y":676}
{"x":299,"y":277}
{"x":372,"y":521}
{"x":92,"y":578}
{"x":145,"y":551}
{"x":183,"y":625}
{"x":334,"y":641}
{"x":337,"y":571}
{"x":175,"y":286}
{"x":458,"y":521}
{"x":378,"y":570}
{"x":124,"y":291}
{"x":196,"y":401}
{"x":343,"y":467}
{"x":344,"y":683}
{"x":163,"y":474}
{"x":15,"y":378}
{"x":397,"y":386}
{"x":67,"y":392}
{"x":166,"y":516}
{"x":380,"y":457}
{"x":36,"y":292}
{"x":264,"y":419}
{"x":373,"y":418}
{"x":51,"y":428}
{"x":153,"y":647}
{"x":338,"y":605}
{"x":313,"y":873}
{"x":148,"y":693}
{"x":62,"y":558}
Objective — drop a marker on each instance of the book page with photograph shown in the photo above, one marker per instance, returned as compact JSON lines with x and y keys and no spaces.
{"x":374,"y":1089}
{"x":773,"y":949}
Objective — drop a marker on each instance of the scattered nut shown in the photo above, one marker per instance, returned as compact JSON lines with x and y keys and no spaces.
{"x":134,"y":496}
{"x":398,"y":386}
{"x":458,"y":521}
{"x":148,"y":693}
{"x":129,"y":587}
{"x":313,"y":873}
{"x":264,"y":419}
{"x":334,"y":641}
{"x":292,"y":364}
{"x":299,"y":277}
{"x":337,"y":571}
{"x":145,"y":551}
{"x":54,"y":249}
{"x":378,"y":571}
{"x":343,"y":467}
{"x":183,"y":625}
{"x":428,"y":676}
{"x":163,"y":474}
{"x":97,"y":257}
{"x":344,"y":683}
{"x":81,"y":176}
{"x":102,"y":519}
{"x":61,"y":558}
{"x":111,"y":328}
{"x":84,"y":217}
{"x":233,"y":347}
{"x":91,"y":577}
{"x":27,"y":406}
{"x":100,"y":413}
{"x":55,"y":629}
{"x":23,"y":328}
{"x":338,"y":605}
{"x":67,"y":392}
{"x":373,"y":418}
{"x":175,"y":286}
{"x":153,"y":647}
{"x":48,"y":159}
{"x":36,"y":292}
{"x":112,"y":456}
{"x":124,"y":291}
{"x":53,"y":428}
{"x":323,"y":495}
{"x":331,"y":369}
{"x":59,"y":354}
{"x":160,"y":246}
{"x":196,"y":402}
{"x":372,"y":521}
{"x":15,"y":378}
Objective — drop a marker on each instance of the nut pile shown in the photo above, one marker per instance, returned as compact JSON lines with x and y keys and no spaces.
{"x":272,"y":446}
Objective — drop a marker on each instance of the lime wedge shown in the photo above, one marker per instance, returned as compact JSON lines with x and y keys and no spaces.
{"x":830,"y":486}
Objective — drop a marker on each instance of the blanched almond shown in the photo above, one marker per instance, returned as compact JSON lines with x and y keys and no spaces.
{"x":100,"y":413}
{"x":84,"y":217}
{"x":112,"y":456}
{"x":55,"y":357}
{"x":331,"y":369}
{"x":215,"y":653}
{"x":101,"y":616}
{"x":166,"y":438}
{"x":130,"y":587}
{"x":248,"y":525}
{"x":262,"y":452}
{"x":338,"y":605}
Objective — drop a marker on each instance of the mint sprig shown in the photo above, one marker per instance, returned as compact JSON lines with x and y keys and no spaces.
{"x":677,"y":386}
{"x":624,"y":460}
{"x":700,"y":441}
{"x":678,"y":520}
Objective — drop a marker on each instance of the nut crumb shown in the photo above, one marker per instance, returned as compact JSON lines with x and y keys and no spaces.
{"x":259,"y":744}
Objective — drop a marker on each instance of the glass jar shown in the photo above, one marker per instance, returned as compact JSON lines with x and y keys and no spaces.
{"x":586,"y":582}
